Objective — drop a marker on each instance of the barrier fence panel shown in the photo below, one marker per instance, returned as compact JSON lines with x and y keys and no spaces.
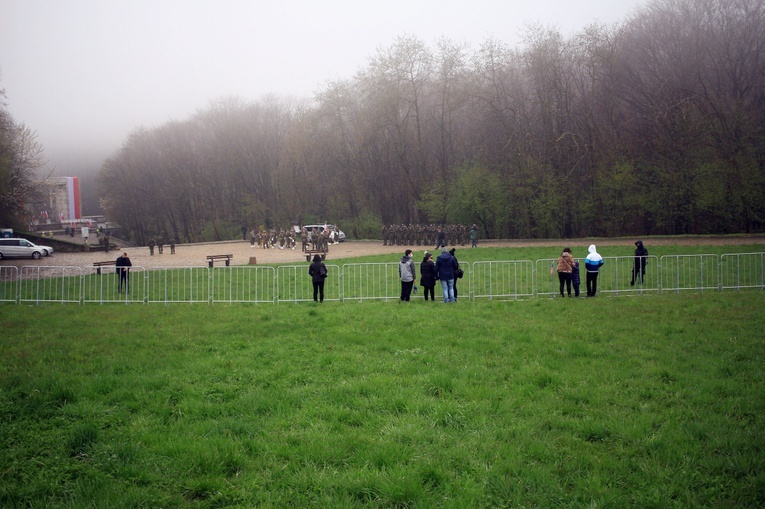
{"x":104,"y":285}
{"x":502,"y":279}
{"x":689,"y":272}
{"x":615,"y":275}
{"x":365,"y":281}
{"x":295,"y":285}
{"x":177,"y":284}
{"x":742,"y":270}
{"x":462,"y":287}
{"x":547,"y":277}
{"x":243,"y":283}
{"x":50,"y":284}
{"x":9,"y":284}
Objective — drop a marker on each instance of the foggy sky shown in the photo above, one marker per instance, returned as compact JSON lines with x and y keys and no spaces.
{"x":85,"y":73}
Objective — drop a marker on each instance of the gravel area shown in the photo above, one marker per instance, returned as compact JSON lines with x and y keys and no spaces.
{"x":194,"y":255}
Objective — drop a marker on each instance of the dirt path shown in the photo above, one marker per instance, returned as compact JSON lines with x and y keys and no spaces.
{"x":194,"y":255}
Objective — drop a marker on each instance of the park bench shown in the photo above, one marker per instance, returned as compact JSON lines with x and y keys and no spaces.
{"x":98,"y":265}
{"x":211,"y":259}
{"x":310,"y":252}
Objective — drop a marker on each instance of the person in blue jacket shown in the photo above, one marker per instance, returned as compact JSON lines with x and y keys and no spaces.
{"x":592,"y":264}
{"x":446,"y":270}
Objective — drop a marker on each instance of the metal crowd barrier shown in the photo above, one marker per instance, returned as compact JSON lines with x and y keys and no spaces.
{"x":9,"y":284}
{"x":514,"y":279}
{"x":742,"y":270}
{"x":501,"y":279}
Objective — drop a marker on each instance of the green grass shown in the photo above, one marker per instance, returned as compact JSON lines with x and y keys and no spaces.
{"x":649,"y":401}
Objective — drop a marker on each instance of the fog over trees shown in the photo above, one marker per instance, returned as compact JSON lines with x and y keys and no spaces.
{"x":656,"y":126}
{"x":21,"y":156}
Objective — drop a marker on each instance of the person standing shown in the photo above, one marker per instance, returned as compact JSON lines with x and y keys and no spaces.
{"x":318,"y":272}
{"x":575,"y":281}
{"x":160,"y":245}
{"x":123,"y":265}
{"x":474,"y":236}
{"x":428,"y":276}
{"x":638,"y":271}
{"x":457,"y":271}
{"x":172,"y":245}
{"x":441,"y":238}
{"x":151,"y":247}
{"x":565,"y":270}
{"x":592,"y":264}
{"x":407,"y":274}
{"x":446,"y":269}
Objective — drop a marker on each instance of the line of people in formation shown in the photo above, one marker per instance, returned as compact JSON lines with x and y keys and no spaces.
{"x":568,"y":269}
{"x":429,"y":235}
{"x":289,"y":238}
{"x":159,"y":244}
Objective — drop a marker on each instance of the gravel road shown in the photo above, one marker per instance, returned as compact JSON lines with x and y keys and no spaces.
{"x":194,"y":255}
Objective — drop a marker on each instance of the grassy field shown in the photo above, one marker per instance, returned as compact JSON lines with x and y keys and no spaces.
{"x":644,"y":401}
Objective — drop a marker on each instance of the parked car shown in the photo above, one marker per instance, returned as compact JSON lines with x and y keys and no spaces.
{"x":22,"y":248}
{"x":330,"y":227}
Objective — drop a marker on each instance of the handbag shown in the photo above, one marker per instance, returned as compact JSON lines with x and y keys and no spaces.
{"x":459,"y":273}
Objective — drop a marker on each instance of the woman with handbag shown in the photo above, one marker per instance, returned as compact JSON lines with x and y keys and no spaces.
{"x":318,"y":273}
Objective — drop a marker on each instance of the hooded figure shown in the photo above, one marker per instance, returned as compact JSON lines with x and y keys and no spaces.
{"x":407,"y":274}
{"x":592,"y":263}
{"x":638,"y":271}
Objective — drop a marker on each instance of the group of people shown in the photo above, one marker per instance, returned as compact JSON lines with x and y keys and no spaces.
{"x":289,"y":238}
{"x":445,"y":268}
{"x":273,"y":238}
{"x":568,"y":269}
{"x":429,"y":234}
{"x":160,"y":245}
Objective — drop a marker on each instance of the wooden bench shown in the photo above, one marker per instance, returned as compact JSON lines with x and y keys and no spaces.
{"x":310,"y":252}
{"x":98,"y":265}
{"x":211,"y":259}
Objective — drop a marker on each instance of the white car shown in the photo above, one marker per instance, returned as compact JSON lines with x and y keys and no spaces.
{"x":332,"y":228}
{"x":22,"y":248}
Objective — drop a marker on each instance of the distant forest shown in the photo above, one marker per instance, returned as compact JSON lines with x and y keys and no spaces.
{"x":653,"y":126}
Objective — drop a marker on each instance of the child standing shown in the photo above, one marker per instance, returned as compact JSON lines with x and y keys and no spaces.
{"x":575,"y":277}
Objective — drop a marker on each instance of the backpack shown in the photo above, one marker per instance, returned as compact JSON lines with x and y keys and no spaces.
{"x":323,"y":271}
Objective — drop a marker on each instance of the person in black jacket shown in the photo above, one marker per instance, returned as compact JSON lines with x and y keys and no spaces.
{"x":123,"y":272}
{"x":318,"y":272}
{"x":428,"y":276}
{"x":638,"y":271}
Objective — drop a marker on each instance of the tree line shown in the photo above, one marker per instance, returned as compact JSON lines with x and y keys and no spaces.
{"x":21,"y":156}
{"x":653,"y":126}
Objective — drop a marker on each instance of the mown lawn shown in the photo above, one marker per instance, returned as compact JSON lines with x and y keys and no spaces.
{"x":650,"y":401}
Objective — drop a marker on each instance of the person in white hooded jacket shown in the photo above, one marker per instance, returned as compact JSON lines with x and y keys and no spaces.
{"x":592,"y":263}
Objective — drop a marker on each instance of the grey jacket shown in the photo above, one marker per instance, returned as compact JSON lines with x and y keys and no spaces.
{"x":406,"y":269}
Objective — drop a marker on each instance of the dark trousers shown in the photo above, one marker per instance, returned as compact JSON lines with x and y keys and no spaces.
{"x":318,"y":291}
{"x":565,"y":278}
{"x":430,"y":290}
{"x":123,"y":275}
{"x":406,"y":290}
{"x":592,"y":283}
